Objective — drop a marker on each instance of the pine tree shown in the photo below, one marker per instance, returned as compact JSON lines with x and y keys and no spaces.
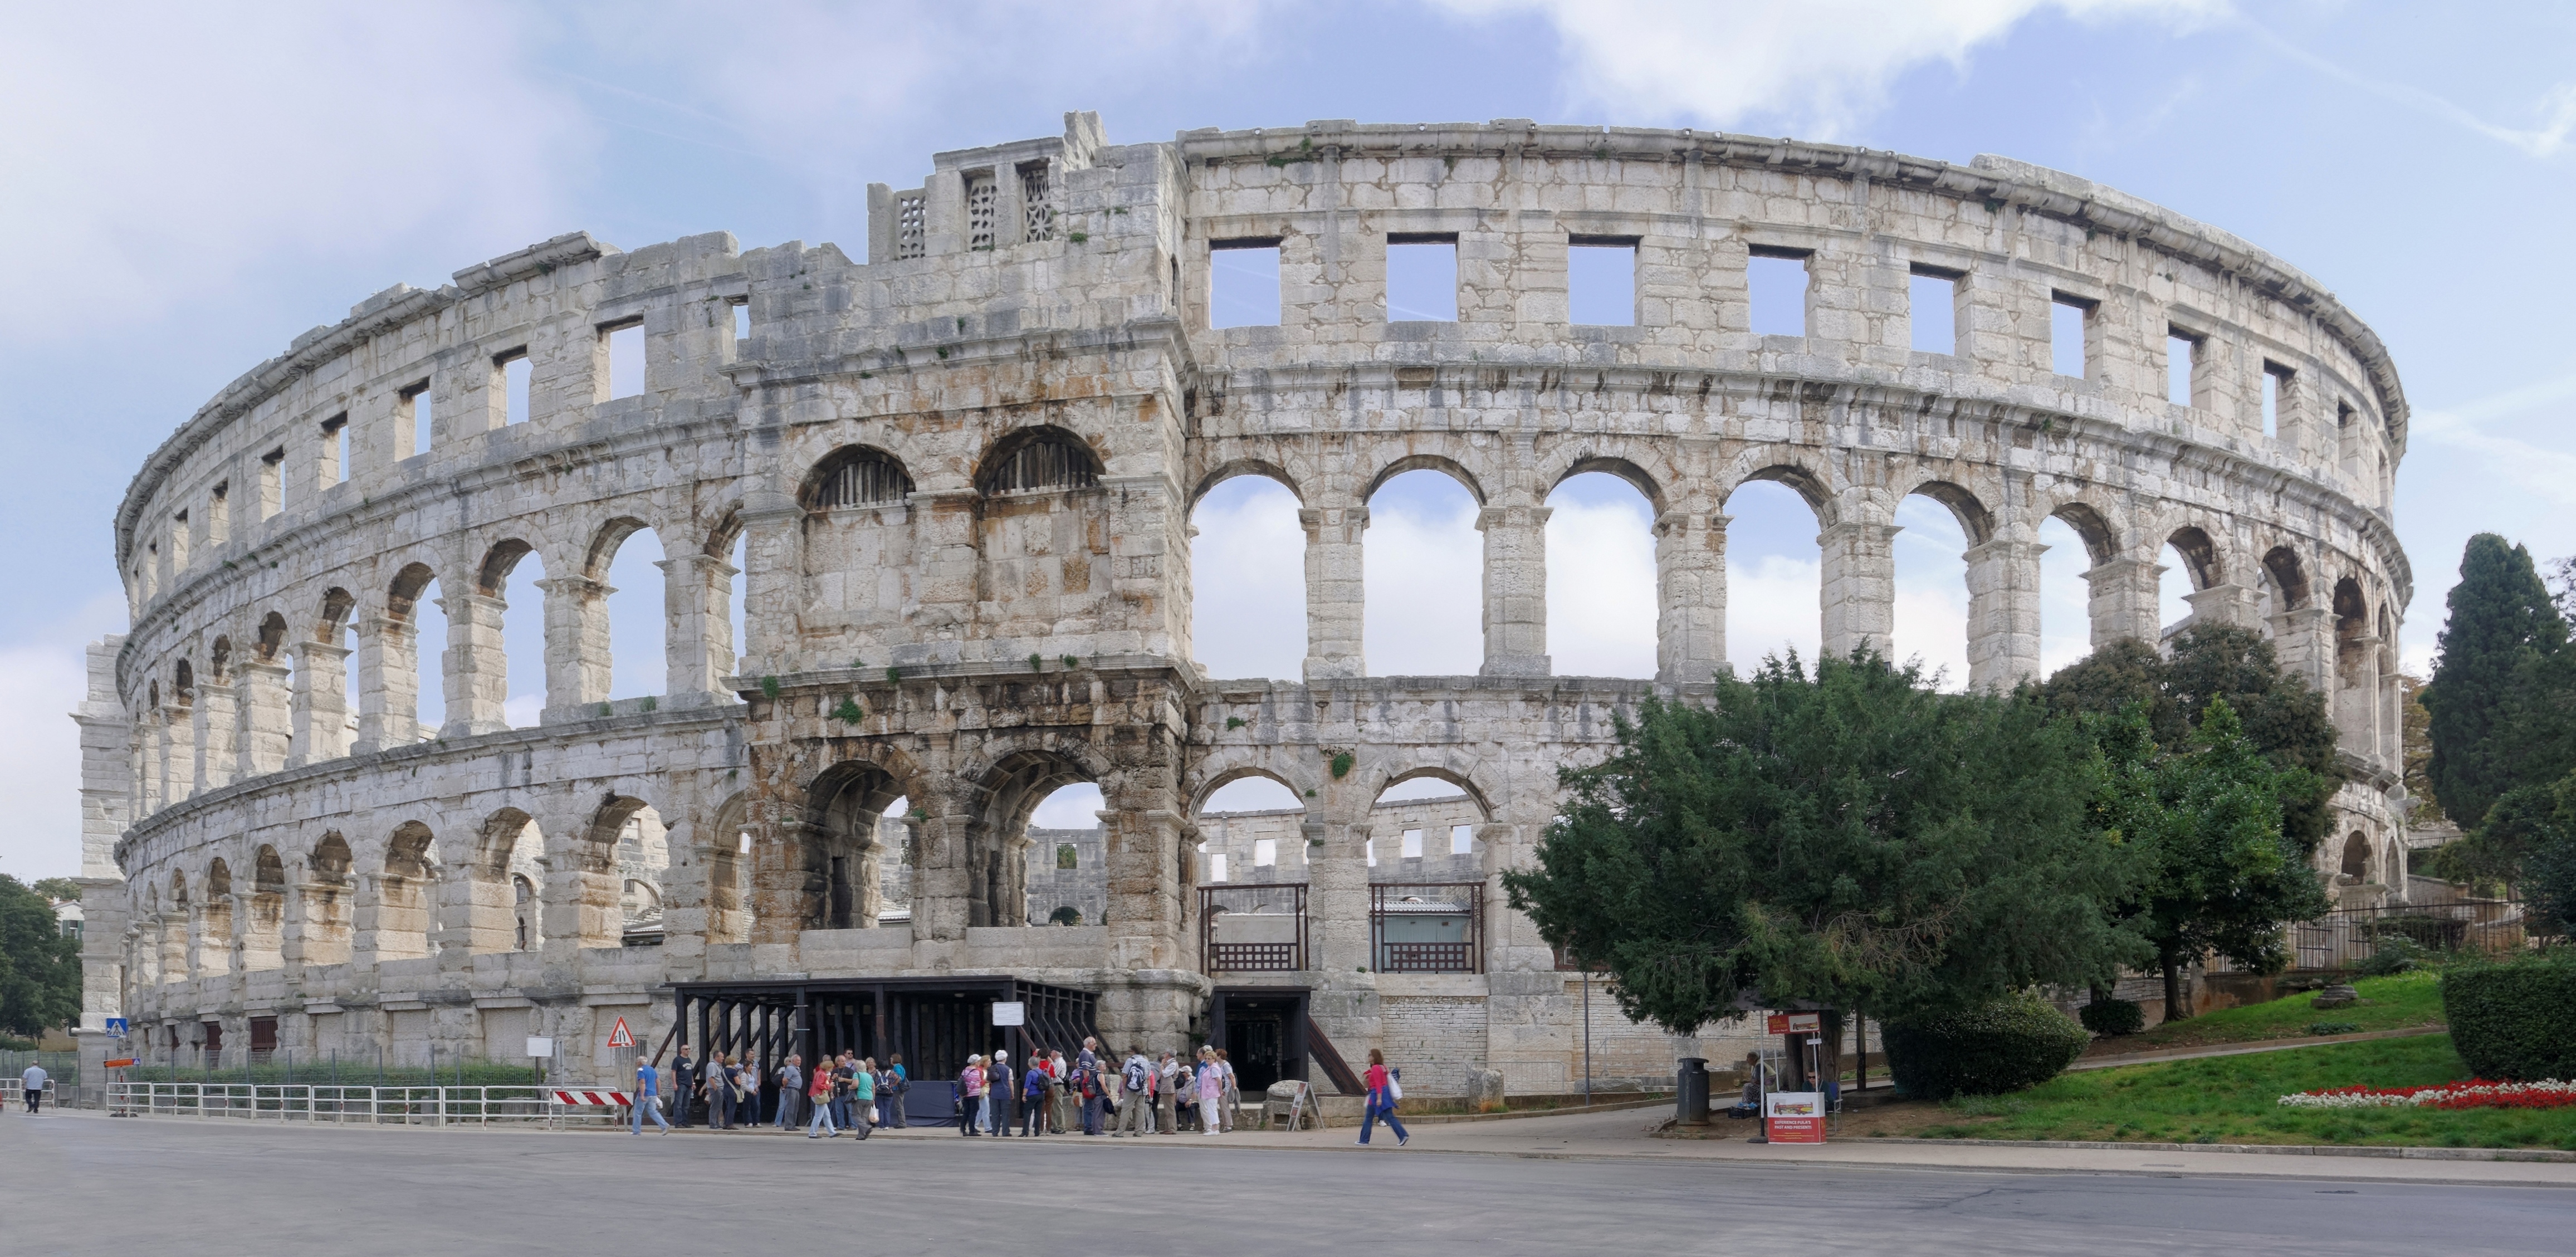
{"x":2501,"y":622}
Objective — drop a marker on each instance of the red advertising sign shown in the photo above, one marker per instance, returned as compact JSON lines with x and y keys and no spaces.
{"x":1794,"y":1117}
{"x":1796,"y":1023}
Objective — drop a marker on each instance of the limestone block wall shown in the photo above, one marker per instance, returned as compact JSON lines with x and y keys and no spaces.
{"x":961,"y":471}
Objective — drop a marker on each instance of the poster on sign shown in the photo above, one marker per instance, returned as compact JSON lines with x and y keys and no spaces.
{"x":1795,"y":1023}
{"x":1794,"y":1117}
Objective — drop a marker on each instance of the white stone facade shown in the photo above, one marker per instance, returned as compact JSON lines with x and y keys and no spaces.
{"x":964,"y":470}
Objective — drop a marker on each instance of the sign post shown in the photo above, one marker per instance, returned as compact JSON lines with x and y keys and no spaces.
{"x":1794,"y":1117}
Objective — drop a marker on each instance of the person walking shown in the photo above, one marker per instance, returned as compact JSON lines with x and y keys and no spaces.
{"x":970,"y":1097}
{"x":1134,"y":1102}
{"x":999,"y":1095}
{"x":1211,"y":1087}
{"x":32,"y":1083}
{"x":648,"y":1096}
{"x":1385,"y":1087}
{"x":845,"y":1071}
{"x":818,"y":1097}
{"x":684,"y":1086}
{"x":791,"y":1084}
{"x":1231,"y":1102}
{"x":1167,"y":1090}
{"x":862,"y":1082}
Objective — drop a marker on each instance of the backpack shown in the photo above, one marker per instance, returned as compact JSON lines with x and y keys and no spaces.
{"x":1135,"y":1075}
{"x":1394,"y":1086}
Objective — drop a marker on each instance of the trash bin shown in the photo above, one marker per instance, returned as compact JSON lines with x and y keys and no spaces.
{"x":1691,"y":1092}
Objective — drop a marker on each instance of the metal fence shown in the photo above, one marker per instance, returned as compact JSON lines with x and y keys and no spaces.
{"x":2346,"y":937}
{"x":371,"y":1106}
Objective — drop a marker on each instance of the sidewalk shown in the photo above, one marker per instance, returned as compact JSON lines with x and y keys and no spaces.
{"x":2246,"y":1049}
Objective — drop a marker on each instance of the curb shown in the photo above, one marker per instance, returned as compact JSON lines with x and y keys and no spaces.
{"x":2389,"y":1153}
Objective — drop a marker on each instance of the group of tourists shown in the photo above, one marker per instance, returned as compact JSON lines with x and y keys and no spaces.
{"x":1052,"y":1094}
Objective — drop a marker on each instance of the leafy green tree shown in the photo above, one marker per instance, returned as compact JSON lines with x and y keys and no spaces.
{"x":58,"y":888}
{"x":2501,"y":624}
{"x":2223,"y":876}
{"x":2211,"y":663}
{"x":2549,"y":865}
{"x":1854,"y":840}
{"x":40,"y":974}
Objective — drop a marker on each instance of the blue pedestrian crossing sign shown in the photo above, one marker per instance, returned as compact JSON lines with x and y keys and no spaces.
{"x":116,"y":1027}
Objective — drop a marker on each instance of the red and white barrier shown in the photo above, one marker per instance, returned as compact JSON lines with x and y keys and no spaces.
{"x":593,"y":1097}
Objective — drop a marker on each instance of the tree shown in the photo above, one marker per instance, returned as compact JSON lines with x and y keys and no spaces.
{"x":58,"y":888}
{"x":2501,"y":623}
{"x":40,"y":973}
{"x":1854,"y":840}
{"x":2223,"y":876}
{"x":2212,"y":663}
{"x":2549,"y":867}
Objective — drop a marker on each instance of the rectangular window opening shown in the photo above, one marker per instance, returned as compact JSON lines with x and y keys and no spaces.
{"x":1413,"y":844}
{"x":741,"y":321}
{"x":2070,"y":321}
{"x":1037,"y":201}
{"x":1776,"y":280}
{"x":1932,"y":308}
{"x":219,"y":513}
{"x":272,"y":480}
{"x":1462,"y":839}
{"x":1216,"y":867}
{"x":2343,"y":414}
{"x":625,"y":342}
{"x":1421,"y":277}
{"x":1265,"y":852}
{"x":1243,"y":282}
{"x":335,"y":449}
{"x":1067,"y":855}
{"x":1601,"y":281}
{"x":516,"y":369}
{"x":2276,"y":396}
{"x":416,"y":405}
{"x":982,"y":203}
{"x":2182,"y":352}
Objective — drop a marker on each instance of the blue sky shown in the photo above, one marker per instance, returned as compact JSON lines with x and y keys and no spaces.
{"x":182,"y":192}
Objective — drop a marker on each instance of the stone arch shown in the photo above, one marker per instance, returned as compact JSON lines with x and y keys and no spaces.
{"x":1585,"y":462}
{"x":2200,"y":556}
{"x":183,"y":685}
{"x":1465,"y":782}
{"x":2101,"y":540}
{"x":1977,"y":522}
{"x":496,"y":843}
{"x":1441,"y":463}
{"x":838,"y":856}
{"x":606,"y":540}
{"x":1792,"y":467}
{"x":329,"y":901}
{"x":493,"y":574}
{"x":1221,"y":778}
{"x":1004,"y":796}
{"x":333,"y":615}
{"x":2289,"y":576}
{"x":272,"y":636}
{"x":402,"y":594}
{"x":1232,"y":468}
{"x":403,"y":893}
{"x":854,"y":477}
{"x":724,"y":532}
{"x":2358,"y":861}
{"x":1042,"y":458}
{"x":721,"y":856}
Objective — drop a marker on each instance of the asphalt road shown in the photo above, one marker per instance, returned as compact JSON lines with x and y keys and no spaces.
{"x":77,"y":1183}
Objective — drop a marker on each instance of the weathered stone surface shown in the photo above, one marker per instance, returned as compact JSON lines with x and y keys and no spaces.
{"x":961,"y":474}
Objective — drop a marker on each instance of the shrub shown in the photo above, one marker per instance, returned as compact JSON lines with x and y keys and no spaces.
{"x":2396,"y":953}
{"x":2334,"y":1027}
{"x":2014,"y":1042}
{"x":2109,"y":1017}
{"x":2514,"y":1019}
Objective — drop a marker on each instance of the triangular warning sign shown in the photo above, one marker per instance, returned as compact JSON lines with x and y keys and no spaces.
{"x":621,"y":1037}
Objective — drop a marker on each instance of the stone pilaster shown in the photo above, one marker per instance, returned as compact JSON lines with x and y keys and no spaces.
{"x":2003,"y":613}
{"x":217,"y":732}
{"x":2122,"y":600}
{"x":388,"y":683}
{"x":321,"y":726}
{"x":1515,"y":590}
{"x":1690,"y":597}
{"x":698,"y":627}
{"x":577,"y":649}
{"x":265,"y":717}
{"x":178,"y":754}
{"x":2222,"y":604}
{"x":106,"y":786}
{"x":772,"y":556}
{"x":474,"y":670}
{"x":1336,"y":591}
{"x":1857,"y":587}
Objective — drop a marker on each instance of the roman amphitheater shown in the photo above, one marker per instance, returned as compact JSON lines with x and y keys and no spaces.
{"x":960,"y":475}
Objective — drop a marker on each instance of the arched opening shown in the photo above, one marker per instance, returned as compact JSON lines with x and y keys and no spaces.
{"x":1038,"y":460}
{"x":1423,"y":563}
{"x":730,"y":545}
{"x":267,"y":702}
{"x":263,"y":934}
{"x":507,"y":851}
{"x":857,"y":553}
{"x":1251,"y":829}
{"x":176,"y":963}
{"x":2190,"y":560}
{"x":1044,"y":531}
{"x":510,"y":574}
{"x":1034,"y":802}
{"x":1426,"y":875}
{"x":842,"y":857}
{"x":2357,"y":664}
{"x":726,"y":850}
{"x":855,"y":478}
{"x":2357,"y":864}
{"x":1250,"y":870}
{"x":626,"y":842}
{"x":2065,"y":597}
{"x":183,"y":685}
{"x":1601,"y":596}
{"x":2285,"y":581}
{"x":416,"y":644}
{"x":526,"y":930}
{"x":1774,"y":574}
{"x":215,"y":931}
{"x":404,"y":893}
{"x":628,"y":559}
{"x":1248,"y":580}
{"x":1939,"y":522}
{"x":329,"y":902}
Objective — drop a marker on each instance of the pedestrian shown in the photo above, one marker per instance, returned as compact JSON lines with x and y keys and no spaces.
{"x":648,"y":1096}
{"x":999,"y":1095}
{"x":1167,"y":1091}
{"x":844,"y":1091}
{"x":970,"y":1097}
{"x":1385,"y":1087}
{"x":791,"y":1084}
{"x":684,"y":1086}
{"x":818,"y":1097}
{"x":1086,"y":1070}
{"x":747,"y":1082}
{"x":1211,"y":1081}
{"x":1230,"y":1103}
{"x":1033,"y":1097}
{"x":1134,"y":1102}
{"x":1065,"y":1095}
{"x":863,"y":1095}
{"x":33,"y":1082}
{"x":717,"y":1085}
{"x":899,"y":1109}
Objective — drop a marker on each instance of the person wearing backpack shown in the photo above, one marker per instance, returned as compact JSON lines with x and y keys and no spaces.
{"x":1385,"y":1087}
{"x":1000,"y":1095}
{"x":1033,"y":1098}
{"x":1135,"y":1100}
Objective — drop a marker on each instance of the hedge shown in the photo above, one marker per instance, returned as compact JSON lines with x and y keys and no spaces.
{"x":2515,"y":1019}
{"x":2014,"y":1042}
{"x":2112,"y":1017}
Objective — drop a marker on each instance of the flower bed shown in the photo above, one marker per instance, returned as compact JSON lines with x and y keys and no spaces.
{"x":2475,"y":1094}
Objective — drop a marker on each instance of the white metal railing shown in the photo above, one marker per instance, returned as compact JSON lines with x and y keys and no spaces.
{"x":374,"y":1106}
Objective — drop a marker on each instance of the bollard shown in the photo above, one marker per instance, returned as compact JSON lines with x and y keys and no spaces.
{"x":1690,"y":1092}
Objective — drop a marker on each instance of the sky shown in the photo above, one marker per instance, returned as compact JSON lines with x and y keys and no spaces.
{"x":185,"y":188}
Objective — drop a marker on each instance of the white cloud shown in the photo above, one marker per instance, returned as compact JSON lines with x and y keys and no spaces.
{"x":42,"y":679}
{"x":1248,"y":581}
{"x":1820,"y":67}
{"x":1425,"y":581}
{"x":1771,"y":609}
{"x":156,"y":151}
{"x":1601,"y":588}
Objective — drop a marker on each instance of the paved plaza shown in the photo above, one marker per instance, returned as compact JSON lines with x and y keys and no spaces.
{"x":85,"y":1183}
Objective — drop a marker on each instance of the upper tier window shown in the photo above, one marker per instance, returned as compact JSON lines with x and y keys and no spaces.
{"x":1043,"y":464}
{"x":859,"y":478}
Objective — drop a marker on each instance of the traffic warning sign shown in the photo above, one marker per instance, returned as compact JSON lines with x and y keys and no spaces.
{"x":621,"y":1037}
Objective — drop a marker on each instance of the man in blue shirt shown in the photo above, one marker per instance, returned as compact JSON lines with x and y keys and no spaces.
{"x":648,"y":1089}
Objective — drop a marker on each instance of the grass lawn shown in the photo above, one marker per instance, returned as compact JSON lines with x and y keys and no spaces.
{"x":2400,"y":1002}
{"x":2233,"y":1099}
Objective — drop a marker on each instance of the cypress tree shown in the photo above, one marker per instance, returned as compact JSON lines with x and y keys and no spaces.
{"x":2501,"y":622}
